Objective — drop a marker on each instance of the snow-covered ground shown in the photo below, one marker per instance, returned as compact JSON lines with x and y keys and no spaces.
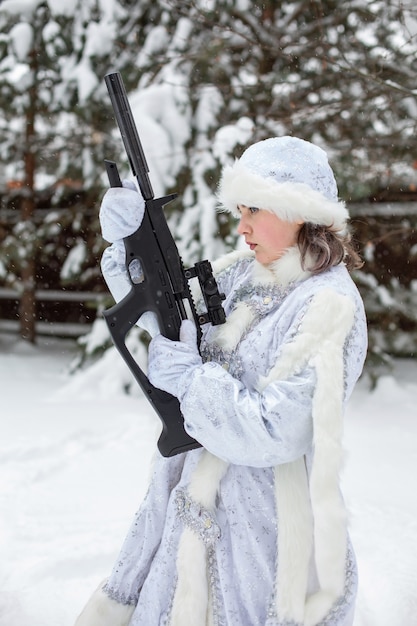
{"x":74,"y":458}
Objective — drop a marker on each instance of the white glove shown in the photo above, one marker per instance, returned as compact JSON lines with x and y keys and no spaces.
{"x":121,"y":212}
{"x":169,"y":361}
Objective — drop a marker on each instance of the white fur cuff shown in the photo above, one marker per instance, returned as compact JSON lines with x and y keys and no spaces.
{"x":101,"y":610}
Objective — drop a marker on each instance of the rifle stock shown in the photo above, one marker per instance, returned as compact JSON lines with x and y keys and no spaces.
{"x":164,"y":287}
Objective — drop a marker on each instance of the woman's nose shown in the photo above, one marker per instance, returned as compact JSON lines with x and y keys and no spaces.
{"x":243,"y":227}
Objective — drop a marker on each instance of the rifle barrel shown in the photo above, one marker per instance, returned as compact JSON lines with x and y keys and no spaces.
{"x":129,"y":133}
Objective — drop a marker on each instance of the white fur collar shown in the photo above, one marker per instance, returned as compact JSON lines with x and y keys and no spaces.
{"x":283,"y":271}
{"x":229,"y":259}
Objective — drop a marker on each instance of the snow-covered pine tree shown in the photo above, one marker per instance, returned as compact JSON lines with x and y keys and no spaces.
{"x":206,"y":78}
{"x":215,"y":76}
{"x":20,"y":69}
{"x":54,"y":132}
{"x":339,"y":74}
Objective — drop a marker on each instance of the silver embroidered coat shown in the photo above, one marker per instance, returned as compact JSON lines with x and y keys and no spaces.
{"x":250,"y":530}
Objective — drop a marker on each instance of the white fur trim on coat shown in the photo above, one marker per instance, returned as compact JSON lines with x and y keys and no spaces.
{"x":191,"y":599}
{"x":290,"y":201}
{"x":101,"y":610}
{"x":329,"y":528}
{"x":228,"y":335}
{"x":295,"y":539}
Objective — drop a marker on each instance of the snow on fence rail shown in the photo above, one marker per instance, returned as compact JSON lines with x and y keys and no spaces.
{"x":69,"y":329}
{"x":57,"y":295}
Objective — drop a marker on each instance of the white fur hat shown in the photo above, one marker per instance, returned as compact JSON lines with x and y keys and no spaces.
{"x":288,"y":176}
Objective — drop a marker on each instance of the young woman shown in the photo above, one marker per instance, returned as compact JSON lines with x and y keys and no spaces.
{"x":251,"y":529}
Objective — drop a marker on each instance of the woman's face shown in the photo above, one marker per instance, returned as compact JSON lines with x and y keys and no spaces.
{"x":265,"y":233}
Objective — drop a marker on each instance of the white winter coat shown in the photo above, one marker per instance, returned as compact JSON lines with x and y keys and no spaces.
{"x":251,"y":529}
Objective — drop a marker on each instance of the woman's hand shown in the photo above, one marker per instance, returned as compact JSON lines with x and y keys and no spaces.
{"x":121,"y":212}
{"x":170,"y":360}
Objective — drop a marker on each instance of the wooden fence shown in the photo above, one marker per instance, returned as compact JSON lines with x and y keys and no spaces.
{"x":63,"y":328}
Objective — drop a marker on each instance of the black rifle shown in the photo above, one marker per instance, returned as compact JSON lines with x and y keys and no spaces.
{"x":164,"y":287}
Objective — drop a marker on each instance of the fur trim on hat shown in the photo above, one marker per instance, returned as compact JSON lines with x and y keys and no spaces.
{"x":290,"y":201}
{"x":101,"y":610}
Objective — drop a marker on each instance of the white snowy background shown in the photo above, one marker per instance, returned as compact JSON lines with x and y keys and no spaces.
{"x":75,"y":450}
{"x":74,"y":465}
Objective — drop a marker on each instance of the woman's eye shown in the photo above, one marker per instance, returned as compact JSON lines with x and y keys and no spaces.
{"x":253,"y":209}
